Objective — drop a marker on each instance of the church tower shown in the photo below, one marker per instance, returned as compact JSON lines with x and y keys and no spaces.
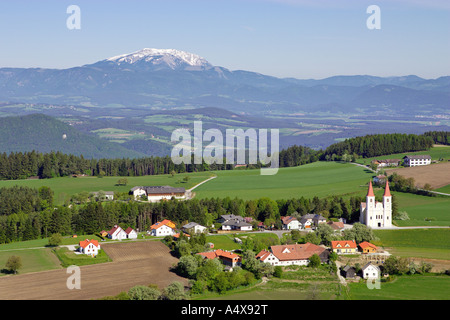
{"x":387,"y":205}
{"x":370,"y":198}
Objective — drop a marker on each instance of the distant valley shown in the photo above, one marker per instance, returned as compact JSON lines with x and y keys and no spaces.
{"x":133,"y":102}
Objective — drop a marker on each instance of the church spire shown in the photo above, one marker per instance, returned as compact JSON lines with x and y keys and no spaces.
{"x":387,"y":192}
{"x":370,"y":192}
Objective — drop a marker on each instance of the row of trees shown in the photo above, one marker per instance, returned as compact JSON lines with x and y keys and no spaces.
{"x":18,"y":165}
{"x":376,"y":145}
{"x":27,"y":213}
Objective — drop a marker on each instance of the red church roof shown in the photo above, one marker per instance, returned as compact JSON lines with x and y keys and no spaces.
{"x":370,"y":192}
{"x":387,"y":192}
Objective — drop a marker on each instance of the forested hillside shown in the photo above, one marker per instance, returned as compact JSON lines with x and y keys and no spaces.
{"x":379,"y":144}
{"x":45,"y":134}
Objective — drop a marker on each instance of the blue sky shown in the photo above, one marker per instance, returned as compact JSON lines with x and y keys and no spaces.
{"x":284,"y":38}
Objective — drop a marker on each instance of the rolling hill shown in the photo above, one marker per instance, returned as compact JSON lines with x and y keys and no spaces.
{"x":45,"y":134}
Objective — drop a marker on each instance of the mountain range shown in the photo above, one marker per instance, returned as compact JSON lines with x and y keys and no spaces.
{"x":166,"y":79}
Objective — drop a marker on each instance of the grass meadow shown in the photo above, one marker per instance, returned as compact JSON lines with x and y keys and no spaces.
{"x":315,"y":179}
{"x":421,"y":243}
{"x":412,"y":287}
{"x":65,"y":187}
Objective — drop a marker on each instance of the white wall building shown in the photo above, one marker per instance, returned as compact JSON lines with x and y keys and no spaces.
{"x":89,"y":247}
{"x":131,"y":233}
{"x":158,"y":193}
{"x":370,"y":271}
{"x":117,"y":233}
{"x":194,"y":228}
{"x":293,"y":254}
{"x":414,"y":161}
{"x":290,"y":223}
{"x":376,"y":214}
{"x":163,"y":228}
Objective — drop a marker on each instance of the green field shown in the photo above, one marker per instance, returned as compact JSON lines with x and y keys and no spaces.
{"x":421,"y":243}
{"x":435,"y":209}
{"x":415,"y":287}
{"x":33,"y":260}
{"x":316,"y":179}
{"x":68,"y":186}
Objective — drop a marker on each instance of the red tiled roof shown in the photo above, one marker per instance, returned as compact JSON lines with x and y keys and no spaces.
{"x":219,"y":254}
{"x":343,"y":244}
{"x":165,"y":222}
{"x":366,"y":244}
{"x":287,"y":219}
{"x":86,"y":242}
{"x":296,"y":251}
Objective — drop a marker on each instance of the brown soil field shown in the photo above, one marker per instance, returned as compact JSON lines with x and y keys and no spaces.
{"x":136,"y":263}
{"x":437,"y":175}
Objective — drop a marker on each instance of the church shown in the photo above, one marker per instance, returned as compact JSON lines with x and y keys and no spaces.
{"x":376,"y":214}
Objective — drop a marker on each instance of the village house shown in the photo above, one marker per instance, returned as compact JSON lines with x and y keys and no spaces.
{"x":337,"y":226}
{"x":131,"y":233}
{"x":109,"y":195}
{"x":193,"y":227}
{"x":318,"y":219}
{"x":290,"y":223}
{"x":344,"y":246}
{"x":158,"y":193}
{"x":292,"y":254}
{"x":416,"y":160}
{"x":367,"y":247}
{"x":89,"y":247}
{"x":380,"y":179}
{"x":236,"y":223}
{"x":116,"y":233}
{"x":348,"y":272}
{"x":371,"y":271}
{"x":387,"y":162}
{"x":229,"y":259}
{"x":306,"y":221}
{"x":163,"y":228}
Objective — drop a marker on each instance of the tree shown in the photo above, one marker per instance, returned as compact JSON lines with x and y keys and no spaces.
{"x":174,"y":291}
{"x":278,"y":272}
{"x":187,"y":266}
{"x":359,"y":232}
{"x":144,"y":293}
{"x":122,"y":182}
{"x":314,"y":261}
{"x":13,"y":264}
{"x":55,"y":240}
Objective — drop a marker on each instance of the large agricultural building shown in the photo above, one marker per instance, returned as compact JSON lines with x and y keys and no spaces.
{"x":158,"y":193}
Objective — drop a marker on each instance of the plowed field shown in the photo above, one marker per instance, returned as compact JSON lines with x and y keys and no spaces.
{"x":137,"y":263}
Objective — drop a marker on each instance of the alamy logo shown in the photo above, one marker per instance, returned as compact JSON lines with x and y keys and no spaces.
{"x":374,"y":21}
{"x":74,"y":280}
{"x":234,"y":153}
{"x":73,"y":22}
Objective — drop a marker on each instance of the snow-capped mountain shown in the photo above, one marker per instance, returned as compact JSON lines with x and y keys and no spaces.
{"x":174,"y":59}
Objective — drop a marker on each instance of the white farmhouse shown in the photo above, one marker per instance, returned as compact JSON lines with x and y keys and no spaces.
{"x":117,"y":233}
{"x":419,"y":160}
{"x":131,"y":233}
{"x":370,"y":271}
{"x":290,"y":223}
{"x":89,"y":247}
{"x":163,"y":228}
{"x":292,"y":254}
{"x":193,"y":227}
{"x":158,"y":193}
